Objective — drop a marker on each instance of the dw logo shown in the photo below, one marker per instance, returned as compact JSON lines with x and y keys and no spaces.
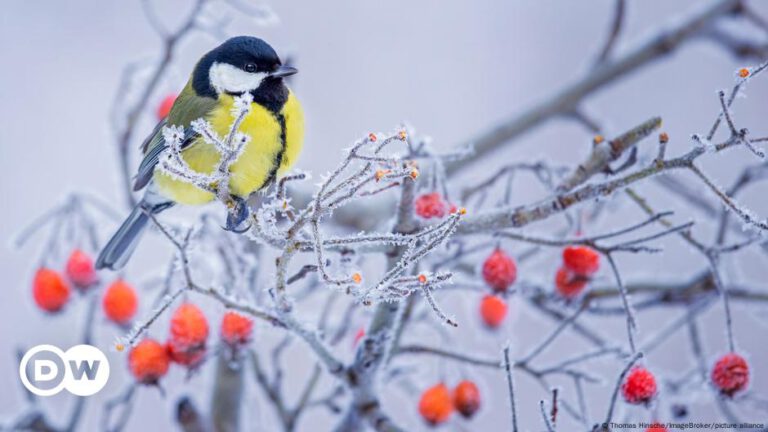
{"x":45,"y":370}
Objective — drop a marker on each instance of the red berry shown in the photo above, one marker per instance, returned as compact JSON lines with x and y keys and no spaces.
{"x":499,"y":270}
{"x":493,"y":310}
{"x":358,"y":337}
{"x":190,"y":356}
{"x":120,"y":302}
{"x":148,"y":361}
{"x":466,"y":398}
{"x":436,"y":405}
{"x":657,"y":427}
{"x":639,"y":387}
{"x":165,"y":106}
{"x":50,"y":290}
{"x":730,"y":374}
{"x":236,"y":329}
{"x":80,"y":269}
{"x":581,"y":260}
{"x":189,"y":331}
{"x":569,"y":284}
{"x":430,"y":205}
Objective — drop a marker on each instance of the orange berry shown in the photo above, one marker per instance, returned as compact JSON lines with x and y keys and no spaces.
{"x":581,"y":260}
{"x":148,"y":361}
{"x":188,"y":325}
{"x":189,"y":332}
{"x":120,"y":302}
{"x":357,"y":278}
{"x":165,"y":106}
{"x":598,"y":139}
{"x":372,"y":137}
{"x":663,"y":138}
{"x":743,"y":72}
{"x":730,"y":374}
{"x":568,"y":283}
{"x":499,"y":270}
{"x":493,"y":310}
{"x":50,"y":290}
{"x":236,"y":329}
{"x":402,"y":135}
{"x":436,"y":405}
{"x":80,"y":270}
{"x":414,"y":174}
{"x":466,"y":398}
{"x":422,"y":279}
{"x":190,"y":356}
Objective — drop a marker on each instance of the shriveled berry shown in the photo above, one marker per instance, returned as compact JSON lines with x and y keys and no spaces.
{"x":165,"y":106}
{"x":743,"y":72}
{"x":568,"y":283}
{"x":493,"y":310}
{"x":730,"y":374}
{"x":120,"y":302}
{"x":80,"y":269}
{"x":466,"y":398}
{"x":148,"y":361}
{"x":499,"y":270}
{"x":430,"y":205}
{"x":236,"y":329}
{"x":639,"y":387}
{"x":581,"y":260}
{"x":436,"y":405}
{"x":50,"y":290}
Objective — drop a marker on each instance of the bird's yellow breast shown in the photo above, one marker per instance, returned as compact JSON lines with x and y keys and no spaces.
{"x":259,"y":160}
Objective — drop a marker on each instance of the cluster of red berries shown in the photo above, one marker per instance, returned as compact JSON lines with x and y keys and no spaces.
{"x":432,"y":205}
{"x":579,"y":264}
{"x":729,"y":375}
{"x":51,"y":290}
{"x":499,"y":273}
{"x":438,"y":403}
{"x":149,"y":360}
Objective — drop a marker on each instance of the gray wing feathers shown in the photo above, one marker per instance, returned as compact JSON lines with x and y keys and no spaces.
{"x":153,"y":147}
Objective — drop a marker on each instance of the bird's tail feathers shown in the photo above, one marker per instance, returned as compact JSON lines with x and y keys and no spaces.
{"x":118,"y":250}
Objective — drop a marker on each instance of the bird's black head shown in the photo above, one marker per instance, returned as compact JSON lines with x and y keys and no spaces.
{"x":243,"y":64}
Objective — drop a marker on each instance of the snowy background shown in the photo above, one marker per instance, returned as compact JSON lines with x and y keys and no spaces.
{"x":451,"y":69}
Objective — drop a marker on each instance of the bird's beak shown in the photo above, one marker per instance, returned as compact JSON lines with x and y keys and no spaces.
{"x":283,"y":71}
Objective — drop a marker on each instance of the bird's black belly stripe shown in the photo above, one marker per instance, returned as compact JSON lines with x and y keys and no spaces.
{"x":279,"y":156}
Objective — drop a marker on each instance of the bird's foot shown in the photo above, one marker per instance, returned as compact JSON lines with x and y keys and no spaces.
{"x":237,"y":214}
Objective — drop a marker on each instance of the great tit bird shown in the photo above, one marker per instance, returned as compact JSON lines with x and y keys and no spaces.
{"x":275,"y":124}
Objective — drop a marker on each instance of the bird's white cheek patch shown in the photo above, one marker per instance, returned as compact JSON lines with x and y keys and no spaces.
{"x":226,"y":78}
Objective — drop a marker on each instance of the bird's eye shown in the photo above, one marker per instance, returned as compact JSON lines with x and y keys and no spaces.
{"x":250,"y":68}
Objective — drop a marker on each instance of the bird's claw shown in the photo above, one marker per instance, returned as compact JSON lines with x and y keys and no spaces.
{"x":236,"y":216}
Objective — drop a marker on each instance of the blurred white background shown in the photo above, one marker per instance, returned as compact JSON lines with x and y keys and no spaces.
{"x":451,"y":69}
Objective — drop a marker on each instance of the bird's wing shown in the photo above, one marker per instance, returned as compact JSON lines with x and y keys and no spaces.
{"x":187,"y":108}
